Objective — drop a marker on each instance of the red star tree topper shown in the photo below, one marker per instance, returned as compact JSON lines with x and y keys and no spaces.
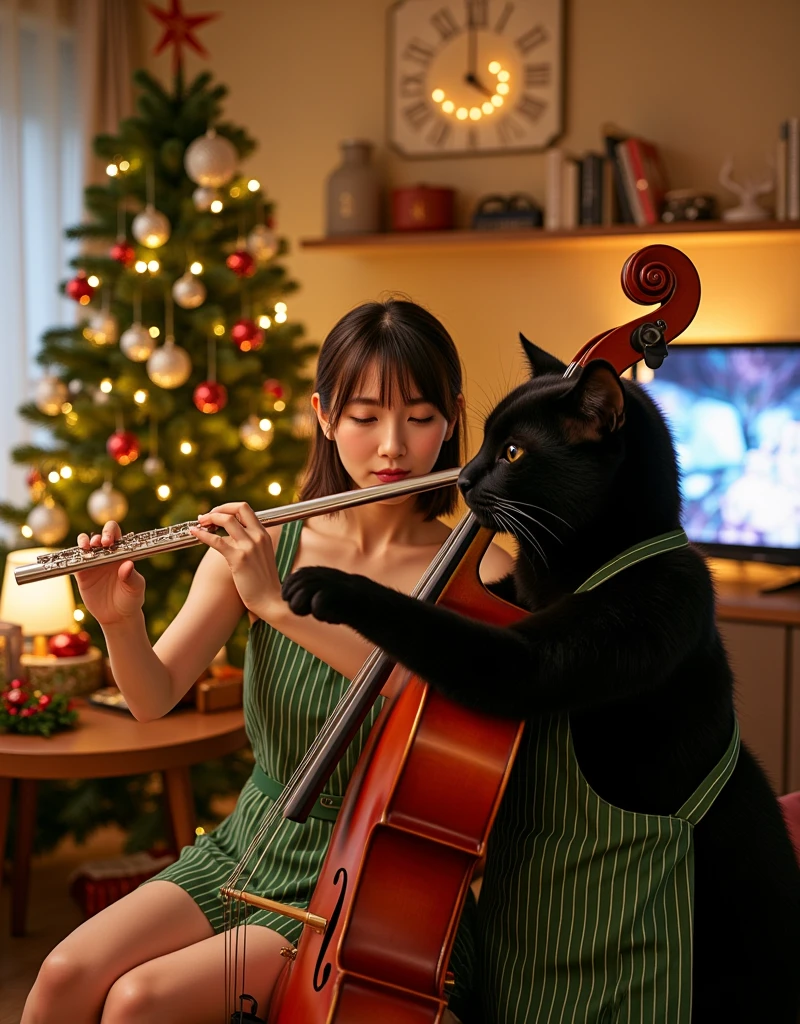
{"x":179,"y":31}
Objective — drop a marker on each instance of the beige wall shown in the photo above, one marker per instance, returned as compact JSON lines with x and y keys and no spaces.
{"x":702,"y":78}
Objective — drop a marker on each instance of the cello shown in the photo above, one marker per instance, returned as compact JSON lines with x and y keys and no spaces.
{"x":381,"y":923}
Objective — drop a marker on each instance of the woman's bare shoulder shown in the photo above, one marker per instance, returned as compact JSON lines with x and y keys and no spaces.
{"x":496,"y":563}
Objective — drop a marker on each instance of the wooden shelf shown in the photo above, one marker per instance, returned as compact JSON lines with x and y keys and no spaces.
{"x":530,"y":237}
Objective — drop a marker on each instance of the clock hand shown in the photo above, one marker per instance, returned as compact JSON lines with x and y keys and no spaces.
{"x":472,"y":62}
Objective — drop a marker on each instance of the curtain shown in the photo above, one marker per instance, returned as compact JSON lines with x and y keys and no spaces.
{"x":65,"y":69}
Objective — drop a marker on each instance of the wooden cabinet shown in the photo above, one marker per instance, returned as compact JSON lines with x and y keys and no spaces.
{"x":762,"y":636}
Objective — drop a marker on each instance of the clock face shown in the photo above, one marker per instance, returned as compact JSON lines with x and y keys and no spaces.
{"x":475,"y":76}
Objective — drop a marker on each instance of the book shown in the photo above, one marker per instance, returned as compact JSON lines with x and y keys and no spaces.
{"x":611,"y":140}
{"x":552,"y":204}
{"x":570,"y":192}
{"x":793,"y":169}
{"x":650,"y":181}
{"x":591,"y":189}
{"x":780,"y":171}
{"x":629,"y":183}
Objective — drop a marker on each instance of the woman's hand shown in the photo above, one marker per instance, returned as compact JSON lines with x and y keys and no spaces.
{"x":248,"y":551}
{"x":112,"y":593}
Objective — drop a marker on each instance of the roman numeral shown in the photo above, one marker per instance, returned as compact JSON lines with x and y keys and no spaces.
{"x":531,"y":108}
{"x":418,"y":114}
{"x":412,"y":86}
{"x":439,"y":133}
{"x":502,"y":21}
{"x":445,"y":24}
{"x":477,"y":13}
{"x":508,"y":131}
{"x":536,"y":74}
{"x":531,"y":39}
{"x":419,"y":52}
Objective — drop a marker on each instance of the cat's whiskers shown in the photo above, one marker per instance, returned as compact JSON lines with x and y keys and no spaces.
{"x":509,"y":515}
{"x":508,"y":528}
{"x":510,"y":505}
{"x":541,"y":508}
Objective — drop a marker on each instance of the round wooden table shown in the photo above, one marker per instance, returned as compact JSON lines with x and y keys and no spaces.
{"x":107,"y":743}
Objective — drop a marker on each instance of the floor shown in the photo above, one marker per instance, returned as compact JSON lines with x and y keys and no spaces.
{"x":51,"y":915}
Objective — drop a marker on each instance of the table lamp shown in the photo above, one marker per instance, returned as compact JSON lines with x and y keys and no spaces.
{"x":42,"y":608}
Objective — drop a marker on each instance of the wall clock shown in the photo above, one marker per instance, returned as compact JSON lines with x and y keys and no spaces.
{"x":475,"y":76}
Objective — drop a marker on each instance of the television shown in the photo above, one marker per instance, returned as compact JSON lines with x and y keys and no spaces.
{"x":734,"y":413}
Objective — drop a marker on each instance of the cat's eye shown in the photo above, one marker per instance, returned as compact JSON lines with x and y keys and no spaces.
{"x":514,"y":452}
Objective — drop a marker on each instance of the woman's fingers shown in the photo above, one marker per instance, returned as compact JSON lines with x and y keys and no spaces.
{"x":227,"y":521}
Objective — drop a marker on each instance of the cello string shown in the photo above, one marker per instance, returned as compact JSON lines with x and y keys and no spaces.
{"x":421,"y":591}
{"x":332,"y":722}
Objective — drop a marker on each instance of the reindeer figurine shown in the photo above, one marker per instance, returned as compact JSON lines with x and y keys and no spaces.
{"x":748,"y":208}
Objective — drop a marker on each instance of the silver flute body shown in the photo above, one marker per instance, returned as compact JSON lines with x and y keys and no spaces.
{"x":133,"y":546}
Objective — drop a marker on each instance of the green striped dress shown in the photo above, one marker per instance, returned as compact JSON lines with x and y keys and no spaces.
{"x":288,"y":695}
{"x":585,"y":913}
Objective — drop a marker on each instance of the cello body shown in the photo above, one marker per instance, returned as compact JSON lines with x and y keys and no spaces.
{"x":420,"y":806}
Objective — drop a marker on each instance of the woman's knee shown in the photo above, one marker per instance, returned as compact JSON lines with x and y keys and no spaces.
{"x":132,"y":999}
{"x":63,"y":977}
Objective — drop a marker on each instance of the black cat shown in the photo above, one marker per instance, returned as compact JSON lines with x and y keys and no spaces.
{"x":580,"y":469}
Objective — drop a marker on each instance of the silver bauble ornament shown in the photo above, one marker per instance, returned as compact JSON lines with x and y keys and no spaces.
{"x":262,"y":243}
{"x":103,"y":329}
{"x":100,"y":397}
{"x":211,"y":160}
{"x":136,"y":343}
{"x":256,"y":433}
{"x":188,"y":291}
{"x":49,"y":523}
{"x":75,"y":386}
{"x":203,"y":197}
{"x":151,"y":227}
{"x":50,"y":395}
{"x":153,"y":466}
{"x":169,"y":366}
{"x":106,"y":504}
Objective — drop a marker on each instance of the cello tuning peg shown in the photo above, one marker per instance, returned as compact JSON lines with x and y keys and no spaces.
{"x":648,"y":338}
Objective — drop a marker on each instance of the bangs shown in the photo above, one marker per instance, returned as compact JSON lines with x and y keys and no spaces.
{"x":403,"y":364}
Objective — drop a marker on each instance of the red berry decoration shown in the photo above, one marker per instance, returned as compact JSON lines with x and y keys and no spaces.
{"x":247,"y":335}
{"x":123,"y":447}
{"x":210,"y":396}
{"x":16,"y":695}
{"x":34,"y":477}
{"x":68,"y":645}
{"x":241,"y":263}
{"x":79,"y":289}
{"x":123,"y":253}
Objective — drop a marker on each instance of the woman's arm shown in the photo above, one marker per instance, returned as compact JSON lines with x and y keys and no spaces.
{"x":153,"y":679}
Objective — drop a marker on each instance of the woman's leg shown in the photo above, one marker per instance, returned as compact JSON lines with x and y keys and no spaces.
{"x":76,"y":976}
{"x":190,"y":983}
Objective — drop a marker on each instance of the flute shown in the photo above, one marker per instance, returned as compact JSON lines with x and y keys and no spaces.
{"x":133,"y":546}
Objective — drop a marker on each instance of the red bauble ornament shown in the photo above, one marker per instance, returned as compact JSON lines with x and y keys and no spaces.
{"x":241,"y":263}
{"x":79,"y":289}
{"x":123,"y":253}
{"x":15,"y":695}
{"x":273,"y":389}
{"x":247,"y":335}
{"x":68,"y":645}
{"x":210,"y":396}
{"x":33,"y":478}
{"x":123,"y":447}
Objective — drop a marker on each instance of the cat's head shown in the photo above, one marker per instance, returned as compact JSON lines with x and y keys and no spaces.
{"x":563,"y":456}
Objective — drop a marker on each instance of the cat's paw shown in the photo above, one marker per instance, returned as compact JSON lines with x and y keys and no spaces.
{"x":328,"y":594}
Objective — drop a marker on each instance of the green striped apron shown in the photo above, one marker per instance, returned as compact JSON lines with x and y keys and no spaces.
{"x":288,"y":695}
{"x":586,"y":909}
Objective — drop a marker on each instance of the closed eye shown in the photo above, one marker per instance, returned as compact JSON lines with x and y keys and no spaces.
{"x":417,"y":419}
{"x":368,"y":419}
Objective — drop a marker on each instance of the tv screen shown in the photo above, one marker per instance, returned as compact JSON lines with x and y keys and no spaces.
{"x":734,"y":413}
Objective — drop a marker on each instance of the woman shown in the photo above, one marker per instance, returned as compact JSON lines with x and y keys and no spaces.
{"x":389,"y":405}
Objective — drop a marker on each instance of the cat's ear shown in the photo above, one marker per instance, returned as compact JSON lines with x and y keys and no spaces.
{"x":541,"y":362}
{"x":599,"y":399}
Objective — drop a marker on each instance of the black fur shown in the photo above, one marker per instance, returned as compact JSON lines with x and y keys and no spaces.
{"x":638,"y":662}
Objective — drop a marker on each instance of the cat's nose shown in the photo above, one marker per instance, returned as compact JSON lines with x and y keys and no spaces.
{"x":464,"y":481}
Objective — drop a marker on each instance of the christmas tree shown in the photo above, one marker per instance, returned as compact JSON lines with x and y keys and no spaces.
{"x":179,"y":387}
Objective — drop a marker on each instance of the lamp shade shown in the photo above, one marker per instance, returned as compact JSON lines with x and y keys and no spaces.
{"x":41,"y":608}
